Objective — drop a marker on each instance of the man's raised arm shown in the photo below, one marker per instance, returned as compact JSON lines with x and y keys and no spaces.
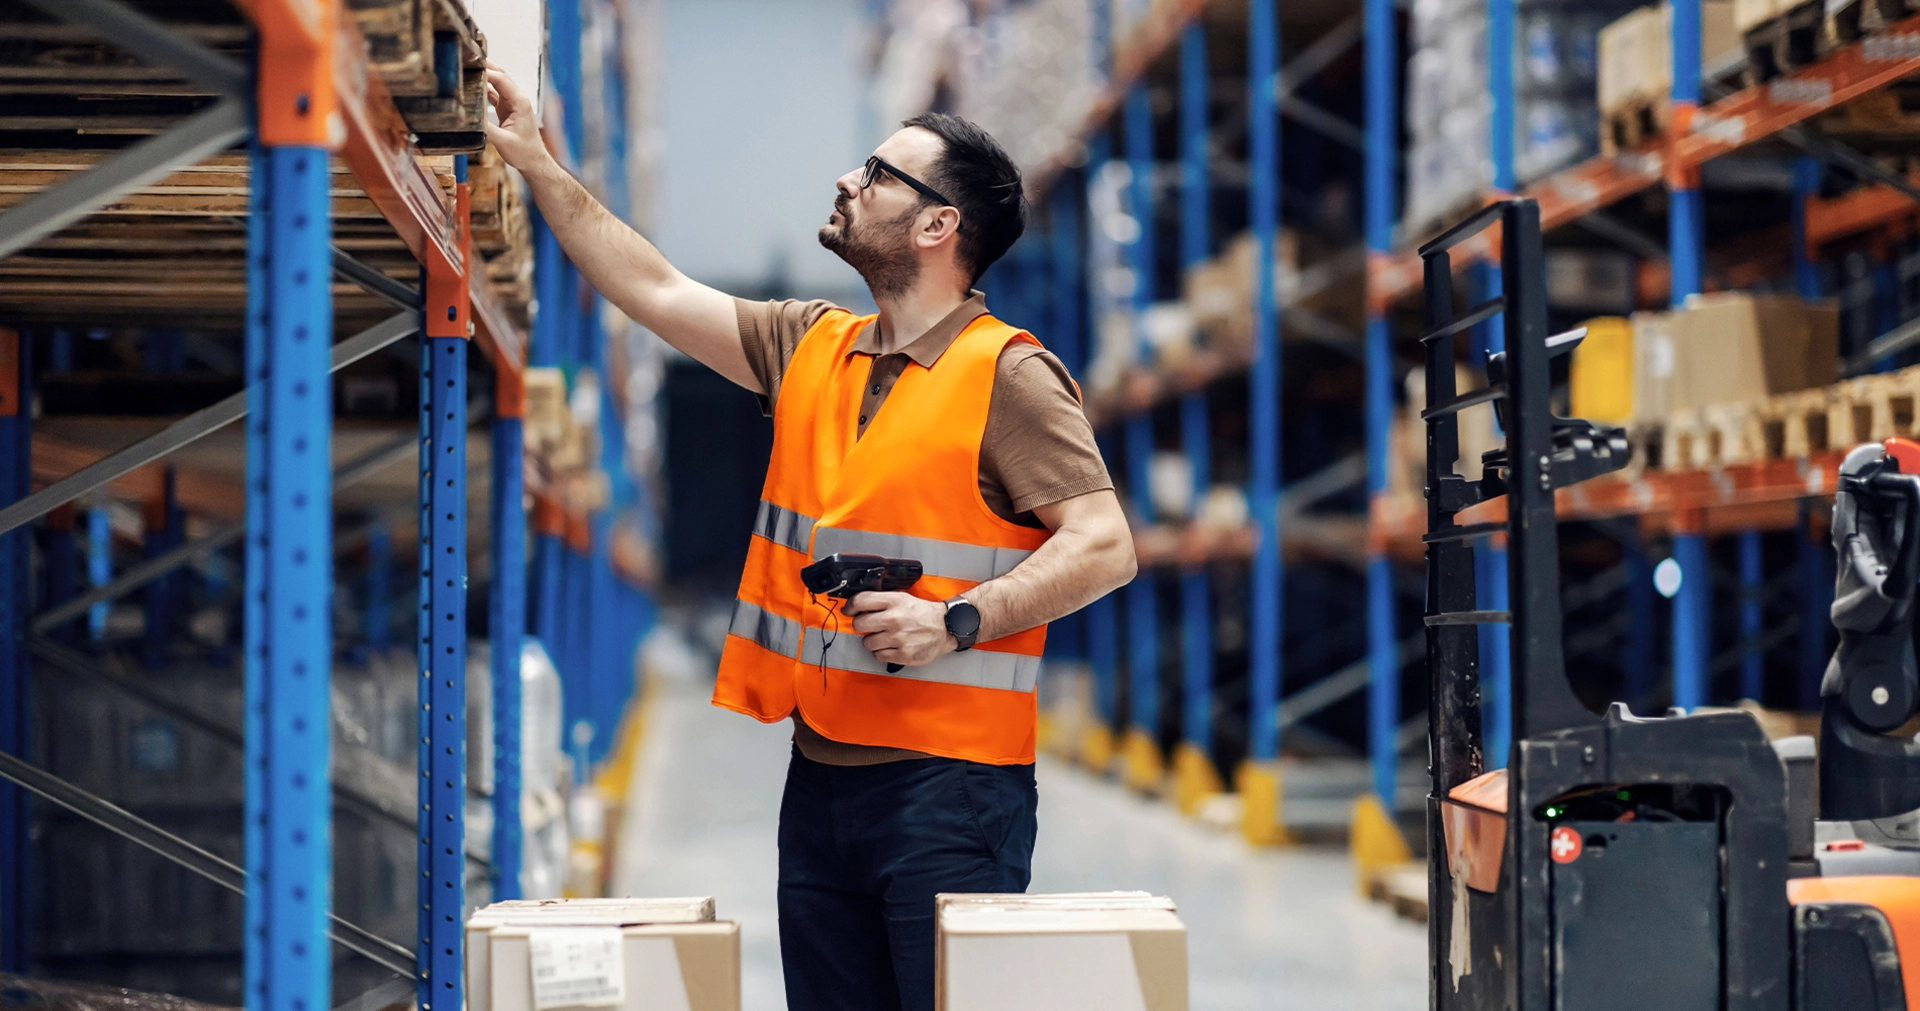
{"x":614,"y":258}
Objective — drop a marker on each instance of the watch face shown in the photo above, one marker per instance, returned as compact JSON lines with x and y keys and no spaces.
{"x":963,"y":619}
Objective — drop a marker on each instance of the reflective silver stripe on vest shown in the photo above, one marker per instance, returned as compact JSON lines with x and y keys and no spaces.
{"x":765,"y":629}
{"x":976,"y":668}
{"x":947,"y":559}
{"x":783,"y":526}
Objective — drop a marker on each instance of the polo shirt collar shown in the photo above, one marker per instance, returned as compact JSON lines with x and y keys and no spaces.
{"x":928,"y":347}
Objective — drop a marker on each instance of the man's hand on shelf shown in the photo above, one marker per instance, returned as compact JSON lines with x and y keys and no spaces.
{"x":517,"y":135}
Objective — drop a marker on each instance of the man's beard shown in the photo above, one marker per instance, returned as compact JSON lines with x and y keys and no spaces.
{"x":878,"y":250}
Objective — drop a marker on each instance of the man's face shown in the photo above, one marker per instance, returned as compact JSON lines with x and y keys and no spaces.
{"x":872,"y":228}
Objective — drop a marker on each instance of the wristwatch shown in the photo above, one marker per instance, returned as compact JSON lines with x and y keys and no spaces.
{"x":963,"y":622}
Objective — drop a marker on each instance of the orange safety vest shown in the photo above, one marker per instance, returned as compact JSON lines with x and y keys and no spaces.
{"x":908,"y":488}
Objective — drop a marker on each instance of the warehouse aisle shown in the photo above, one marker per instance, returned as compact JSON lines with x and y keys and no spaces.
{"x":1266,"y":930}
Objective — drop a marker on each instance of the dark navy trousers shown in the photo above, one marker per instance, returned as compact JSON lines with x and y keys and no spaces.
{"x":863,"y":851}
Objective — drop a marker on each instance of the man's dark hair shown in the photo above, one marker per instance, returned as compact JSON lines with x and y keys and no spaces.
{"x":976,"y":174}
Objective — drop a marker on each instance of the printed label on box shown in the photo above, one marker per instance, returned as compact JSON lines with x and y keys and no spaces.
{"x":577,"y":967}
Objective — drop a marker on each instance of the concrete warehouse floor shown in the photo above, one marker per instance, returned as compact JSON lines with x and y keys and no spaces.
{"x":1278,"y":929}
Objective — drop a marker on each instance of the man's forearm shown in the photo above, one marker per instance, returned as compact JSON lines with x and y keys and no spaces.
{"x":608,"y":253}
{"x":1071,"y":570}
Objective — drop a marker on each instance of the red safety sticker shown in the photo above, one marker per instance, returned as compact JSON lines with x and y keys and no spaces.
{"x":1565,"y":845}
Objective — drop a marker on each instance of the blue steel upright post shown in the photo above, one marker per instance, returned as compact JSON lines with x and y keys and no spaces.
{"x":1490,"y":559}
{"x":1692,"y":605}
{"x":16,"y":706}
{"x":506,"y":626}
{"x":1383,"y":654}
{"x":443,"y":615}
{"x":1144,"y":763}
{"x":288,"y":963}
{"x":1194,"y":775}
{"x":1753,"y":660}
{"x":1102,"y":624}
{"x":1258,"y":781}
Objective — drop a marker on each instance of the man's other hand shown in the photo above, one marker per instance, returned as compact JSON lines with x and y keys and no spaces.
{"x":900,"y":627}
{"x":517,"y":136}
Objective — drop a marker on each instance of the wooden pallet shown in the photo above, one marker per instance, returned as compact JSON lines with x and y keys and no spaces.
{"x":1807,"y":31}
{"x":432,"y":58}
{"x":1787,"y":41}
{"x":173,"y":251}
{"x":1853,"y":20}
{"x":1891,"y":114}
{"x":1794,"y":425}
{"x":1633,"y":123}
{"x":1404,"y":889}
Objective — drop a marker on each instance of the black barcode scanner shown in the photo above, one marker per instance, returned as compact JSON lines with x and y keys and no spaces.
{"x":841,"y":575}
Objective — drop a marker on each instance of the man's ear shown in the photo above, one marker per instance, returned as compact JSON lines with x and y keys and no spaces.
{"x":937,"y":226}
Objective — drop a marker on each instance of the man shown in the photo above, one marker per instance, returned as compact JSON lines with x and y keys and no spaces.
{"x":930,"y":431}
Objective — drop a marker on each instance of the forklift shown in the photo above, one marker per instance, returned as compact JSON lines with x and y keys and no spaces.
{"x":1674,"y":863}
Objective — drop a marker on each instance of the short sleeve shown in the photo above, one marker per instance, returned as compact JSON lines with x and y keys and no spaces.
{"x":1038,"y":448}
{"x":769,"y":331}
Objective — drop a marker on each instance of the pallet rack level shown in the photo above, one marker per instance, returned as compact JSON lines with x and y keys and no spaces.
{"x":1721,"y":127}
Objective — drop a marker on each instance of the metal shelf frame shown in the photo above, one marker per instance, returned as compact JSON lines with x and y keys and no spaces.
{"x":313,"y":79}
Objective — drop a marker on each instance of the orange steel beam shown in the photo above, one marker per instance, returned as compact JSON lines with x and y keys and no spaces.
{"x":1742,"y":496}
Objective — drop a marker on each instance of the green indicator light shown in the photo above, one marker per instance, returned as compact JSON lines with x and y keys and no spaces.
{"x":1624,"y":795}
{"x":1554,"y":812}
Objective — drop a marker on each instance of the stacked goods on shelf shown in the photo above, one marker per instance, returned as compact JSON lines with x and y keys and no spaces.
{"x":1780,"y":35}
{"x":121,"y":265}
{"x":502,"y":231}
{"x":1556,"y":123}
{"x":1070,"y":951}
{"x":1036,"y":79}
{"x":1635,"y":78}
{"x":432,"y":59}
{"x":1448,"y":111}
{"x":562,"y":431}
{"x":633,"y":954}
{"x":1733,"y":356}
{"x":1029,"y":75}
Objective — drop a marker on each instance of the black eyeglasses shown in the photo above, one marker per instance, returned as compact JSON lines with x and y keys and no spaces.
{"x":875,"y":166}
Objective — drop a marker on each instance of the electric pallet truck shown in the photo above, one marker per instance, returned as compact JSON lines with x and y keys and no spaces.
{"x":1680,"y":863}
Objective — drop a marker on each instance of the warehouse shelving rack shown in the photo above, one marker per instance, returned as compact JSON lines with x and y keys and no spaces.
{"x":1688,"y":506}
{"x":303,"y":94}
{"x":1170,"y":44}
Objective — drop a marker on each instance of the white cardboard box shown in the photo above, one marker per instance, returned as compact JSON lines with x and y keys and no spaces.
{"x":595,"y":912}
{"x":666,"y":967}
{"x":1103,"y":952}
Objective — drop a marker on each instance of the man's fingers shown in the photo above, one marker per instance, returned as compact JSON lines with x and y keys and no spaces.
{"x":882,"y":641}
{"x":865,"y":603}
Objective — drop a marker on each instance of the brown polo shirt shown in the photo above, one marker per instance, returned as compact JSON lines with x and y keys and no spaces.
{"x":1038,"y":448}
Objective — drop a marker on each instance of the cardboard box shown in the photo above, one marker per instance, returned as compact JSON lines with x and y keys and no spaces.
{"x":1032,"y":954}
{"x":1636,"y":55}
{"x":546,"y":416}
{"x":1735,"y":346}
{"x":664,"y":967}
{"x":1054,"y":900}
{"x":1653,"y":363}
{"x":596,"y":912}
